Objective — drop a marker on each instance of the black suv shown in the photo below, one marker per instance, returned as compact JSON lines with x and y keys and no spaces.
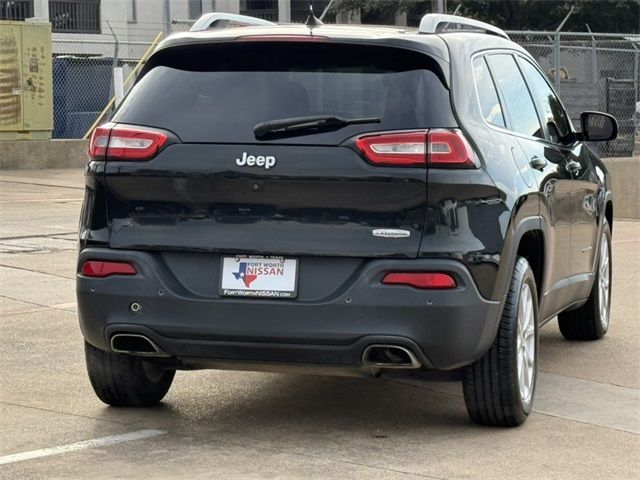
{"x":342,"y":200}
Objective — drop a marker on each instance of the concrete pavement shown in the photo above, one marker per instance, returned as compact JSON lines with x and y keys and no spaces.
{"x":234,"y":425}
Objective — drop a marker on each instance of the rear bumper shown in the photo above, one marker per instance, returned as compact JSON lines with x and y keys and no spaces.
{"x":445,"y":329}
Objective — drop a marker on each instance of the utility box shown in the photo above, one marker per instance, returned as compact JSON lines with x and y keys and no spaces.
{"x":26,"y":91}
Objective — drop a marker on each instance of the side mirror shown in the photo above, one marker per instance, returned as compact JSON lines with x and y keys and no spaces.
{"x":598,"y":127}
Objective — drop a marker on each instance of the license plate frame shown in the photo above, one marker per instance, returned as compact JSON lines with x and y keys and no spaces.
{"x":269,"y":281}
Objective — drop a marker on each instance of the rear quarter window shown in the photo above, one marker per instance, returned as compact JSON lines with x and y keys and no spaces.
{"x":487,"y":94}
{"x":518,"y":101}
{"x":218,"y":93}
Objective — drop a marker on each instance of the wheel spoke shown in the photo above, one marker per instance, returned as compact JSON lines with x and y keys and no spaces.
{"x":525,"y":343}
{"x":604,"y":280}
{"x":530,"y":329}
{"x":521,"y":369}
{"x":529,"y":357}
{"x":604,"y":270}
{"x":527,"y":379}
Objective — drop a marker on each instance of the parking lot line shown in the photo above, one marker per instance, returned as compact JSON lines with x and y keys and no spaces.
{"x":63,"y":306}
{"x":43,"y":200}
{"x":73,"y":447}
{"x":9,"y":179}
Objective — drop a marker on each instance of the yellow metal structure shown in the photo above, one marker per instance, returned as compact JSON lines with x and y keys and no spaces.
{"x":26,"y":89}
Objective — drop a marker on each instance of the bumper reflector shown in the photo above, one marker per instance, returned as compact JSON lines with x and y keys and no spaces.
{"x":101,"y":269}
{"x":423,"y":280}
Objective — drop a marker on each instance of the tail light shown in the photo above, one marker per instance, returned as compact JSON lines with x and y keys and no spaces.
{"x":101,"y":269}
{"x":123,"y":142}
{"x":450,"y":148}
{"x":422,"y":280}
{"x":395,"y":149}
{"x":99,"y":141}
{"x":437,"y":147}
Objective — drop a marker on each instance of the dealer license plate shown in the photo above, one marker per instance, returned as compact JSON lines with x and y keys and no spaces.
{"x":256,"y":276}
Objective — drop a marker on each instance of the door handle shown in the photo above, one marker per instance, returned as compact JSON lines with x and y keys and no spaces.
{"x":573,"y":166}
{"x":538,"y":163}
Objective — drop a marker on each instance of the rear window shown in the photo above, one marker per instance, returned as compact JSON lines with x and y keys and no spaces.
{"x":218,"y":93}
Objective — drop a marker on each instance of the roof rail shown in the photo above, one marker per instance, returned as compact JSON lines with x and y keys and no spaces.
{"x":223,"y":20}
{"x":436,"y":23}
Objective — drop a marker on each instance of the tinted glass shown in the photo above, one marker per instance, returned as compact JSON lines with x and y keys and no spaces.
{"x":518,"y":102}
{"x":218,"y":93}
{"x":487,"y":95}
{"x":554,"y":115}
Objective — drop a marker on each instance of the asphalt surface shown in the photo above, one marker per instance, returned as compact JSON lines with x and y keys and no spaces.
{"x":235,"y":425}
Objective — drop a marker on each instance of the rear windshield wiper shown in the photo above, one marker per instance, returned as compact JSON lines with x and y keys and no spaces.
{"x":306,"y":125}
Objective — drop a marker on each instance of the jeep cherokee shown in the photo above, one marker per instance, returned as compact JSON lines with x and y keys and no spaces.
{"x":344,"y":200}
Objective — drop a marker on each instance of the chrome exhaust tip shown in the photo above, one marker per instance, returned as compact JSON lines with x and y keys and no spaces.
{"x":389,"y":356}
{"x":135,"y":344}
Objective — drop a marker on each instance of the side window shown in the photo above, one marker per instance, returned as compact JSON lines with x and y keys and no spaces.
{"x":487,"y":95}
{"x":554,"y":115}
{"x":518,"y":102}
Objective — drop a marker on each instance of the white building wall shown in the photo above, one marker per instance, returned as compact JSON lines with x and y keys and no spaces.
{"x":148,"y":23}
{"x":229,"y":6}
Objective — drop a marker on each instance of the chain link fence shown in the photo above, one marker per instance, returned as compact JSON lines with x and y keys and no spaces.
{"x":592,"y":72}
{"x":178,"y":25}
{"x":83,"y":82}
{"x":589,"y":71}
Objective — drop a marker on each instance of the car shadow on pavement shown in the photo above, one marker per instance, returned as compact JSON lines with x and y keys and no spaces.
{"x":273,"y":402}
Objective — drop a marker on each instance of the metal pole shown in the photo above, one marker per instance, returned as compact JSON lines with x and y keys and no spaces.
{"x":284,"y":11}
{"x":116,"y":50}
{"x":636,"y":72}
{"x":167,"y":17}
{"x":118,"y":85}
{"x":594,"y":57}
{"x":41,"y":10}
{"x":326,"y":9}
{"x":616,"y":36}
{"x":564,"y":20}
{"x":556,"y":61}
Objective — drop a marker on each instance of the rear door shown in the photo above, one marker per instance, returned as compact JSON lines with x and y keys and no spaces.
{"x":586,"y":188}
{"x":216,"y":187}
{"x":552,"y":176}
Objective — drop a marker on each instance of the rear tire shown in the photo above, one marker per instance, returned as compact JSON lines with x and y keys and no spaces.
{"x":499,"y":388}
{"x":591,"y":321}
{"x":126,"y":381}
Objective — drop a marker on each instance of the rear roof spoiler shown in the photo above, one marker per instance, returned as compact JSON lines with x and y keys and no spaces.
{"x":436,"y":23}
{"x":209,"y":21}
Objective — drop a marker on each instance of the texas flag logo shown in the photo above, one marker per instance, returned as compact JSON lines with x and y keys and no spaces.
{"x":242,"y":274}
